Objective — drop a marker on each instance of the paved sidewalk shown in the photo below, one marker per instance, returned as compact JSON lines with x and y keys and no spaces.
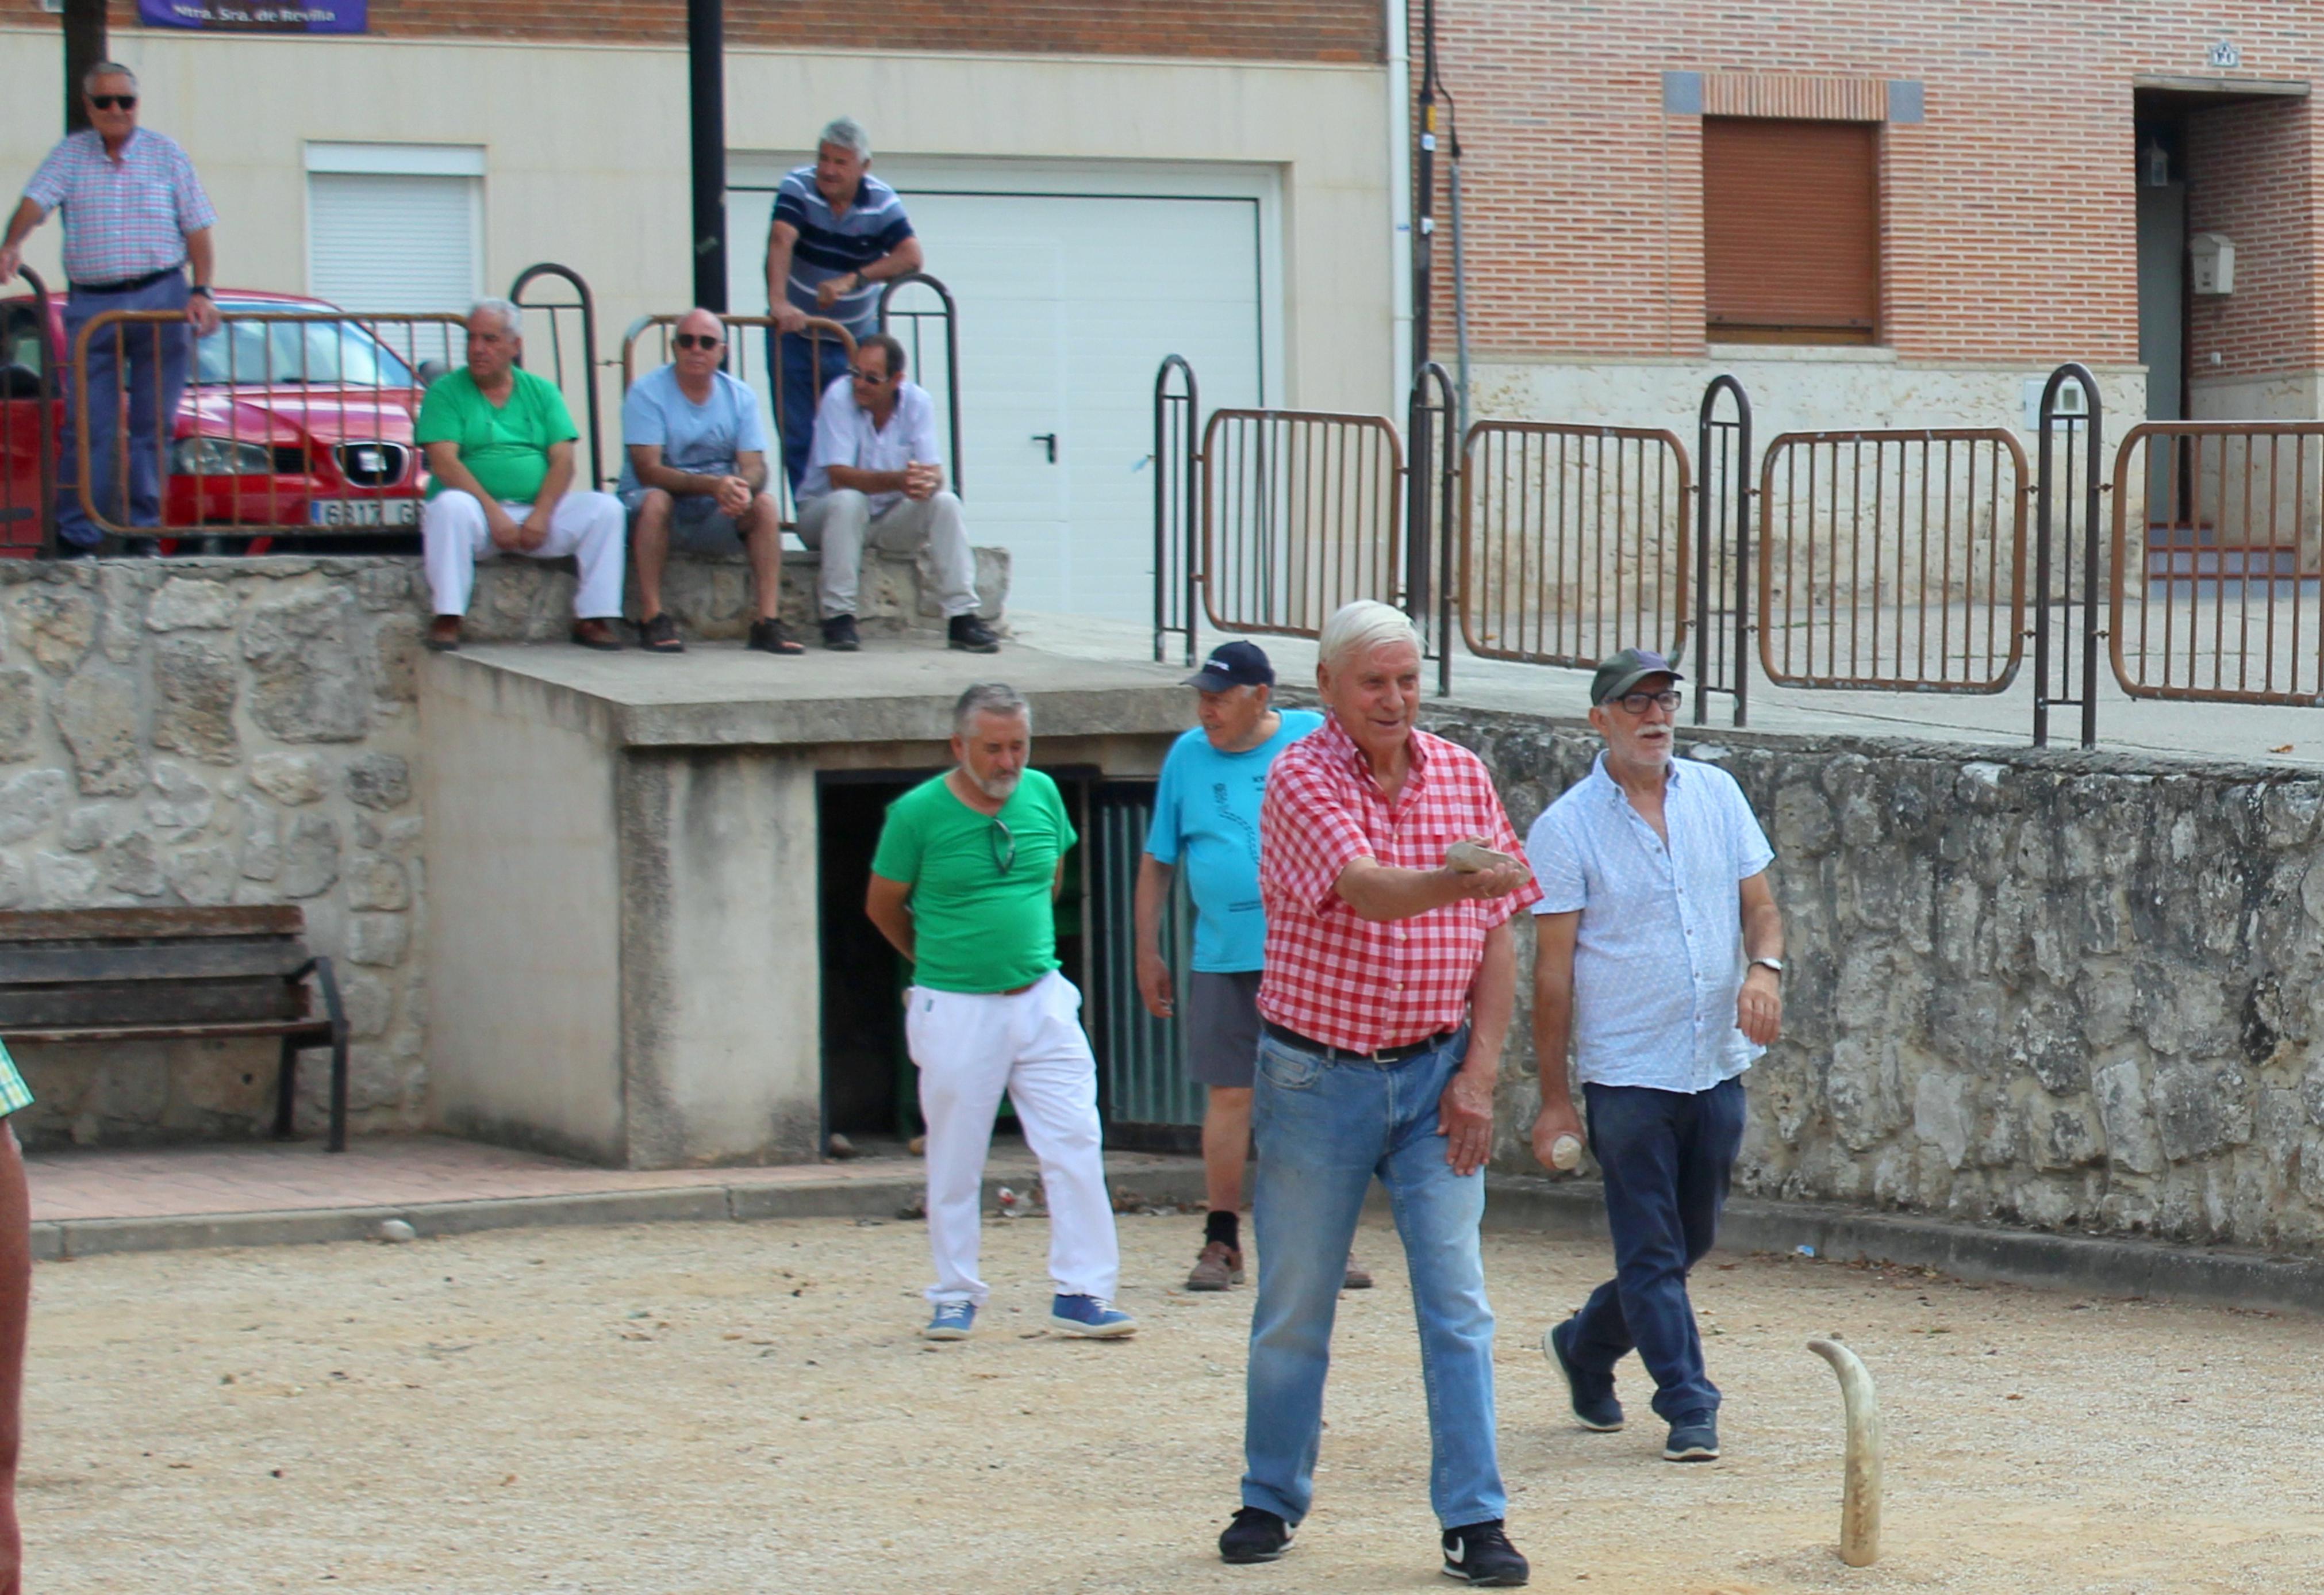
{"x":172,"y":1198}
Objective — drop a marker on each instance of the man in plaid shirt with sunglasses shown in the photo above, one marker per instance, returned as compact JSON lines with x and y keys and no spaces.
{"x":965,"y":884}
{"x":1391,"y":975}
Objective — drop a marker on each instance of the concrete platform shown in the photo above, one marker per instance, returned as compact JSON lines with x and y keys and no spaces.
{"x":624,"y":874}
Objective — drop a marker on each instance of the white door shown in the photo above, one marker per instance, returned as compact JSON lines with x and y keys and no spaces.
{"x":1071,"y":283}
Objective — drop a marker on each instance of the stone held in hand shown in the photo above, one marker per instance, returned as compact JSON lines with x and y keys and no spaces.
{"x":1565,"y":1153}
{"x":1471,"y":858}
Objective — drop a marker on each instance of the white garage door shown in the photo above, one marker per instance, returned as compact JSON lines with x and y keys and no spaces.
{"x":1068,"y":299}
{"x":396,"y":227}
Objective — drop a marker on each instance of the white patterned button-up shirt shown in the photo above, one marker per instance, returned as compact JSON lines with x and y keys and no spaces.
{"x":123,"y":219}
{"x":1659,"y":958}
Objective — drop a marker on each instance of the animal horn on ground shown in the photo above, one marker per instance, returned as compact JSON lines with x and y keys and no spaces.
{"x":1859,"y":1507}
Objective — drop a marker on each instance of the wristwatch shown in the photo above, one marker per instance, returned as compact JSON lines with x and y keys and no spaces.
{"x":1776,"y":964}
{"x":200,"y":288}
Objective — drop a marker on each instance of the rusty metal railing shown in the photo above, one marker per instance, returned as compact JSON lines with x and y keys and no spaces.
{"x":648,"y":339}
{"x":1178,"y":463}
{"x":2216,"y":599}
{"x":1574,"y":541}
{"x":571,"y":357}
{"x":908,"y":324}
{"x":28,"y":424}
{"x":1722,"y":550}
{"x":1893,"y":560}
{"x":1303,"y":511}
{"x":291,"y":423}
{"x":1432,"y":432}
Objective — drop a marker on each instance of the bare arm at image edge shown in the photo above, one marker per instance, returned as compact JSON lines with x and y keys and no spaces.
{"x":886,"y":903}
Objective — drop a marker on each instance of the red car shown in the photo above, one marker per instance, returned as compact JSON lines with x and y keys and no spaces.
{"x":285,"y":423}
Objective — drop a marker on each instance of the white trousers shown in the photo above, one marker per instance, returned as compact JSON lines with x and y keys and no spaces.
{"x":841,"y":521}
{"x":971,"y":1048}
{"x":586,"y":525}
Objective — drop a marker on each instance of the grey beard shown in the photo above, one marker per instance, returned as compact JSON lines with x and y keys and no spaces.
{"x":998,"y":789}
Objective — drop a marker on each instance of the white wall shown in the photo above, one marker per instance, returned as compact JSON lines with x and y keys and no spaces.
{"x":586,"y":150}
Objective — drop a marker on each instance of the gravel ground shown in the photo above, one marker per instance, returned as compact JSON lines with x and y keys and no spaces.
{"x":726,"y":1407}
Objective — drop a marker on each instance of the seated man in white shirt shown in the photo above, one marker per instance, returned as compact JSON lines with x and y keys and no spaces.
{"x":873,"y":474}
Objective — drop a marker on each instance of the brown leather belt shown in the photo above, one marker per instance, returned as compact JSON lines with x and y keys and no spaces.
{"x":1411,"y":1049}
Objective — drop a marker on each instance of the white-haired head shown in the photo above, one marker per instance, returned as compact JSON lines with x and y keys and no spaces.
{"x":1356,"y":629}
{"x":107,"y":69}
{"x":512,"y":320}
{"x":848,"y":133}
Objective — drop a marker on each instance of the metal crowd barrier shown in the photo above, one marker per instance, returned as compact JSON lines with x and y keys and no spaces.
{"x":293,"y":423}
{"x":1575,"y":542}
{"x":1177,"y":462}
{"x":908,"y":324}
{"x":571,"y":361}
{"x":1302,"y":513}
{"x":1893,"y":560}
{"x":28,"y":422}
{"x":653,"y":333}
{"x":2217,"y":600}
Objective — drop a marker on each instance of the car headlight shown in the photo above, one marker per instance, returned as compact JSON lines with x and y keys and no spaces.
{"x":220,"y":456}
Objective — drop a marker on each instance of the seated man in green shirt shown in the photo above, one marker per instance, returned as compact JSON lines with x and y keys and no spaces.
{"x":499,"y":442}
{"x":963,"y":885}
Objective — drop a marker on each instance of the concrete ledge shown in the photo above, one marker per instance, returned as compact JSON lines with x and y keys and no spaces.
{"x":2105,"y":1267}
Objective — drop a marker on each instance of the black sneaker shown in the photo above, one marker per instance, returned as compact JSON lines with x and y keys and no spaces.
{"x":1694,"y":1438}
{"x":839,"y":635}
{"x":970,"y":634}
{"x":1256,"y":1534}
{"x":1595,"y":1409}
{"x":1481,"y":1554}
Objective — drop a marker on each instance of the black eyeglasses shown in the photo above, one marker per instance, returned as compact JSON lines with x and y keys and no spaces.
{"x":1004,"y":848}
{"x":875,"y":377}
{"x":106,"y":102}
{"x":697,"y":341}
{"x":1637,"y":702}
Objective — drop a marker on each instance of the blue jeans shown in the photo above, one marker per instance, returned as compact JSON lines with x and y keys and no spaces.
{"x":149,"y":362}
{"x":1322,"y":1131}
{"x":804,"y":378}
{"x":1666,"y":1158}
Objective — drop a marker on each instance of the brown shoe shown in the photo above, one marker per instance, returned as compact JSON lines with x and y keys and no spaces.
{"x":596,"y":634}
{"x":443,"y":634}
{"x":1358,"y":1277}
{"x":1219,"y":1267}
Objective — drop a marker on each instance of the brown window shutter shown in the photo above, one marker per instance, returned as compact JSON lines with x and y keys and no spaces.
{"x":1791,"y":231}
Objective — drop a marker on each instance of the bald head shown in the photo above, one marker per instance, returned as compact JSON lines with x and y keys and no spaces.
{"x":698,"y":350}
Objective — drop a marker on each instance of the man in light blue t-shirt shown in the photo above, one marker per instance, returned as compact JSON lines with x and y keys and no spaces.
{"x":693,"y":472}
{"x":1206,"y":811}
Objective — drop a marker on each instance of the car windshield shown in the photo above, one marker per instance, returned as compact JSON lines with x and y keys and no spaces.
{"x":333,"y":354}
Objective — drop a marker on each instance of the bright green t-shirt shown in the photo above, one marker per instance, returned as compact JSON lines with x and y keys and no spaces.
{"x":505,"y":447}
{"x":977,"y":926}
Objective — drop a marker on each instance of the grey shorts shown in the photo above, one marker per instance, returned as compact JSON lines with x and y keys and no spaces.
{"x":1223,"y":1027}
{"x":696,"y":524}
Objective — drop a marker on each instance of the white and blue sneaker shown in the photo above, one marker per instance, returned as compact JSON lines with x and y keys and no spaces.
{"x":1093,"y":1318}
{"x":955,"y":1320}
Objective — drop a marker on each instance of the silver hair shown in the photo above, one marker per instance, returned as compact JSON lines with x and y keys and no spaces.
{"x":511,"y":317}
{"x":105,"y":69}
{"x":1357,"y":628}
{"x":989,"y":697}
{"x":848,"y":133}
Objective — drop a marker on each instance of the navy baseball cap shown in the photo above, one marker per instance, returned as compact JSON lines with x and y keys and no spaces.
{"x":1233,"y":664}
{"x":1626,"y":670}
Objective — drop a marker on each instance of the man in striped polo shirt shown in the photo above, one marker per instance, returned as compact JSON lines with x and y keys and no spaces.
{"x":838,"y":234}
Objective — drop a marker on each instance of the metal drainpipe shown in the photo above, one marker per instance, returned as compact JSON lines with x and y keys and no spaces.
{"x":1460,"y":300}
{"x":1400,"y":200}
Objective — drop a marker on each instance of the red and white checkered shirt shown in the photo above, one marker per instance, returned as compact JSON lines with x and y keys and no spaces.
{"x":1331,"y":975}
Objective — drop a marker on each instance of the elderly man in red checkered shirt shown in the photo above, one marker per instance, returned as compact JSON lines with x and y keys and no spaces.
{"x":1390,"y":980}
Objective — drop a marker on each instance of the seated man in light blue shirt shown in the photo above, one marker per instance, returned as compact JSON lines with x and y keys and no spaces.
{"x":1658,"y":955}
{"x":874,"y":475}
{"x":693,"y":472}
{"x":1206,"y":814}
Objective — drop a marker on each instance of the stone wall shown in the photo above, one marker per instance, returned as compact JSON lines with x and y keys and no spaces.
{"x":2065,"y":990}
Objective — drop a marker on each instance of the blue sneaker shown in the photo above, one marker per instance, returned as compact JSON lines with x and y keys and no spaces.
{"x":955,"y":1320}
{"x":1593,"y":1403}
{"x":1091,"y":1318}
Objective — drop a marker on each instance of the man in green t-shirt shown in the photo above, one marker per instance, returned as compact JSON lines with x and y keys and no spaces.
{"x":499,"y":442}
{"x":963,"y":885}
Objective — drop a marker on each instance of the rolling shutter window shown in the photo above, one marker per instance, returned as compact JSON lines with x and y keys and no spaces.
{"x":387,"y":242}
{"x":1791,"y":231}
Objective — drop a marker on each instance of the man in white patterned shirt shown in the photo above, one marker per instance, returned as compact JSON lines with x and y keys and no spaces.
{"x":135,"y":218}
{"x":1658,"y":956}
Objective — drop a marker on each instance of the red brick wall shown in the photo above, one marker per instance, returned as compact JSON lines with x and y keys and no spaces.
{"x":2009,"y":214}
{"x":1240,"y":30}
{"x":2249,"y":177}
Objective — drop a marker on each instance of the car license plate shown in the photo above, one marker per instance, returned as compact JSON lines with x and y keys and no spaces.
{"x":362,"y":511}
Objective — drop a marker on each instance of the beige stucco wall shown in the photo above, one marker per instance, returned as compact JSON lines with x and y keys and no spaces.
{"x":586,"y":150}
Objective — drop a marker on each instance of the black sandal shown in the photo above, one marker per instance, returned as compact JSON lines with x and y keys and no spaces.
{"x":658,"y":635}
{"x":767,"y":636}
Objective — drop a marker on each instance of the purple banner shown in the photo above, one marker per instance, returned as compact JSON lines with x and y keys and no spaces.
{"x":255,"y":17}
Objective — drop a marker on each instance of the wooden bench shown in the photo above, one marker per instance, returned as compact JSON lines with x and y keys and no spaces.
{"x":175,"y":974}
